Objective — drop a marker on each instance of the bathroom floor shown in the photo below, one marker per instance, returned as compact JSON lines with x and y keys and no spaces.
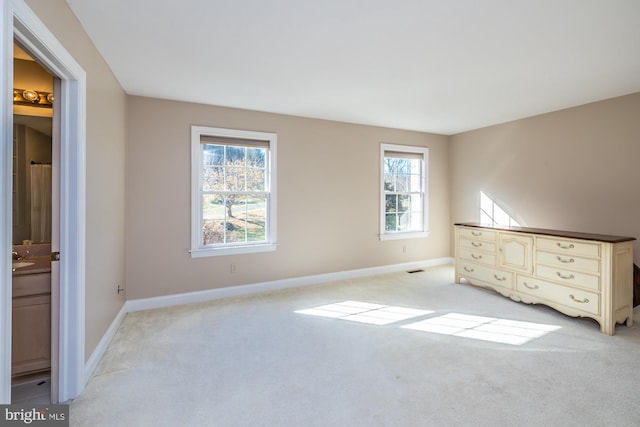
{"x":32,"y":390}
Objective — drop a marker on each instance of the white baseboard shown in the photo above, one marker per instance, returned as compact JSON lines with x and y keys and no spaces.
{"x":92,"y":363}
{"x":255,"y":288}
{"x":241,"y":290}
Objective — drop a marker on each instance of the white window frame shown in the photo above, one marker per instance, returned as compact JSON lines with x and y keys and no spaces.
{"x":198,"y":250}
{"x":410,"y":149}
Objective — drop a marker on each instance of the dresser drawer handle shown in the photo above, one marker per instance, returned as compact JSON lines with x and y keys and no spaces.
{"x":566,"y":261}
{"x":474,"y":256}
{"x":500,"y":279}
{"x":526,"y":285}
{"x":469,"y":270}
{"x":476,"y":244}
{"x":586,"y":300}
{"x":561,"y":246}
{"x":477,"y":233}
{"x":569,"y":277}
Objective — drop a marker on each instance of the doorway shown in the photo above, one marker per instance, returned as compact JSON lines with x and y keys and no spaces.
{"x":34,"y":322}
{"x":21,"y":24}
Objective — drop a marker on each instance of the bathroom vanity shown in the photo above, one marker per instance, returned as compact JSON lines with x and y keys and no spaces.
{"x":578,"y":274}
{"x":31,"y":316}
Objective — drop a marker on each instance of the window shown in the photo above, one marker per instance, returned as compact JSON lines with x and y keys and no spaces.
{"x":233,"y":195}
{"x":492,"y":214}
{"x":404,"y":198}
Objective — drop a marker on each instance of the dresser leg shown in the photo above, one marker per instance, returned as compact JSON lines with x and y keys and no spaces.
{"x":608,"y":328}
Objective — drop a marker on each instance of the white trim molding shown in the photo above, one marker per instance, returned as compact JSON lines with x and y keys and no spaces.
{"x":101,"y":348}
{"x":241,"y":290}
{"x":276,"y":285}
{"x":6,"y":116}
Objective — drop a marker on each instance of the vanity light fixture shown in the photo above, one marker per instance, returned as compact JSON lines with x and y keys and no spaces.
{"x":32,"y":98}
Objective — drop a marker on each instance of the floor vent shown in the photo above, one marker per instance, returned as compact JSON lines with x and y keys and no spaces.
{"x":415,"y":271}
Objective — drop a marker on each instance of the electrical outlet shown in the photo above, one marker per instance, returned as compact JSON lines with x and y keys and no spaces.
{"x":404,"y":249}
{"x":232,"y":267}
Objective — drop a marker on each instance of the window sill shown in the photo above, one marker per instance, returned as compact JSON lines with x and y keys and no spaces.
{"x":404,"y":235}
{"x":233,"y":250}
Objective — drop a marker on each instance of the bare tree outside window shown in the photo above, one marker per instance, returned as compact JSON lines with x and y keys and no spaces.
{"x":234,"y":197}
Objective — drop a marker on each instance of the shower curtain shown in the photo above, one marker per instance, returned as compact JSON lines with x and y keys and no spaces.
{"x":41,"y":203}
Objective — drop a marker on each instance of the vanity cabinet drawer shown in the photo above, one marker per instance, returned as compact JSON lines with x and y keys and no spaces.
{"x":478,"y":256}
{"x":478,"y":245}
{"x":575,"y":298}
{"x":570,"y":262}
{"x":569,"y":277}
{"x":31,"y":284}
{"x":478,"y":234}
{"x":486,"y":274}
{"x":569,"y":247}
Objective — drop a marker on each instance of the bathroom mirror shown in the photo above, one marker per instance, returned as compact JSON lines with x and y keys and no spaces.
{"x":31,"y":179}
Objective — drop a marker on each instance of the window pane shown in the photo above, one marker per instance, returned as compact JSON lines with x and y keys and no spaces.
{"x":212,"y":178}
{"x":212,"y":154}
{"x":389,"y":182}
{"x":391,"y":203}
{"x":235,"y":178}
{"x":390,"y":222}
{"x":256,"y":218}
{"x":212,"y":232}
{"x":213,"y":214}
{"x":256,"y":157}
{"x":213,"y":207}
{"x":404,"y":202}
{"x":235,"y":154}
{"x":403,"y":183}
{"x":256,"y":179}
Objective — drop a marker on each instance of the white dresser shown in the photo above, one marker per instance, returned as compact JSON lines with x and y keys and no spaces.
{"x":579,"y":274}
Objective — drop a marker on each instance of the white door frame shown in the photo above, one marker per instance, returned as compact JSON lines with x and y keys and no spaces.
{"x":19,"y":21}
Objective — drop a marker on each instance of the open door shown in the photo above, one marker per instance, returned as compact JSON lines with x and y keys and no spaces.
{"x":55,"y":242}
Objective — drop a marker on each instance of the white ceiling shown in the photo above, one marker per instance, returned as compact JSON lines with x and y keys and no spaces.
{"x":429,"y":65}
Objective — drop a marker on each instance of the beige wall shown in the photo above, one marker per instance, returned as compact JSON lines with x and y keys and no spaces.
{"x":106,"y":132}
{"x":328,"y":192}
{"x":575,"y":169}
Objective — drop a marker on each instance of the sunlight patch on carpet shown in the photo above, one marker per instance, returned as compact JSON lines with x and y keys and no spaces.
{"x":364,"y":312}
{"x":483,"y":328}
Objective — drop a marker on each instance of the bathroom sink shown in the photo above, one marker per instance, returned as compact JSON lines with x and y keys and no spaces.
{"x":20,"y":264}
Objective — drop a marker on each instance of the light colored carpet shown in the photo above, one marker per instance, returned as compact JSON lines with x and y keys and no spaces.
{"x":254,"y":361}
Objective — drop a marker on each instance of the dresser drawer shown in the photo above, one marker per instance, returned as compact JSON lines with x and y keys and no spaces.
{"x":575,"y":298}
{"x":478,"y":256}
{"x":478,"y":245}
{"x":477,"y":234}
{"x":569,"y":262}
{"x":486,"y":274}
{"x":569,"y":247}
{"x":569,"y":277}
